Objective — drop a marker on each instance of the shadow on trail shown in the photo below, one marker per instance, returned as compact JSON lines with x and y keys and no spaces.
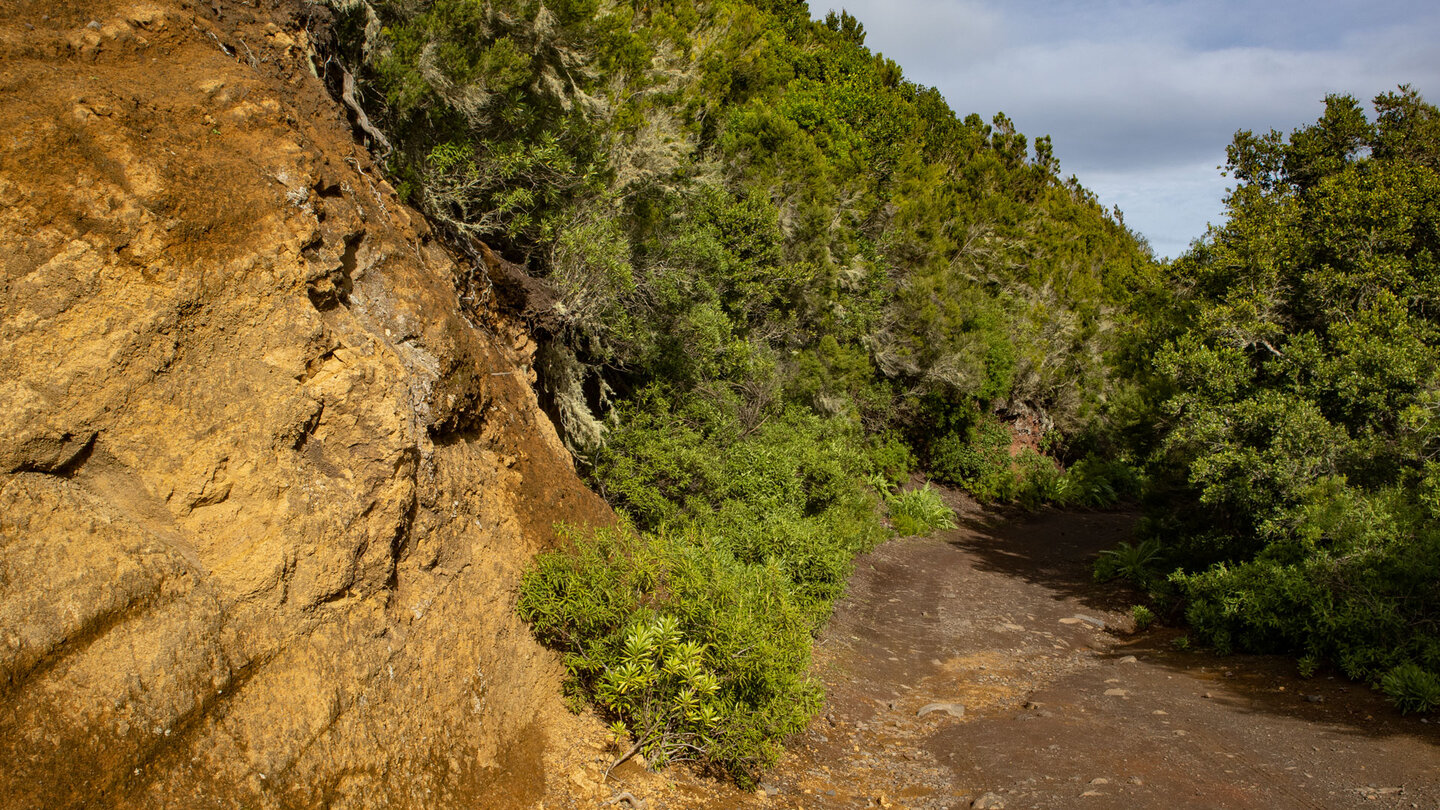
{"x":1052,"y":548}
{"x":1055,"y":549}
{"x":1270,"y":686}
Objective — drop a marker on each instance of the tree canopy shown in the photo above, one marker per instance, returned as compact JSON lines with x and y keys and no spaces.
{"x":1299,"y":396}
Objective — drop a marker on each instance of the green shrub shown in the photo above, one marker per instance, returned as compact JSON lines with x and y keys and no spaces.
{"x":1367,"y":612}
{"x":789,"y":490}
{"x":1412,"y":688}
{"x":1099,"y":483}
{"x":1037,"y":479}
{"x":1143,"y":616}
{"x":1134,"y":562}
{"x":1296,"y":390}
{"x":976,"y":457}
{"x":692,"y":631}
{"x":892,"y":458}
{"x":698,"y":656}
{"x":919,"y":511}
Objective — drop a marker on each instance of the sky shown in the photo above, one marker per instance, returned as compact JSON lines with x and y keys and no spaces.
{"x":1141,"y":97}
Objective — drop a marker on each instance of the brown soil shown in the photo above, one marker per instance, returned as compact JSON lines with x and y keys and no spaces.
{"x":1000,"y":617}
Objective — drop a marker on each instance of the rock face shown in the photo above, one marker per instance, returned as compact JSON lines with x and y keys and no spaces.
{"x":265,"y":487}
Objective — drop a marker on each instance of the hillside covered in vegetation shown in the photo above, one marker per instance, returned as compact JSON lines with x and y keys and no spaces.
{"x":778,"y":278}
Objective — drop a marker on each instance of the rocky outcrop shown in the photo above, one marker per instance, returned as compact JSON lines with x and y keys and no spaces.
{"x":265,"y":484}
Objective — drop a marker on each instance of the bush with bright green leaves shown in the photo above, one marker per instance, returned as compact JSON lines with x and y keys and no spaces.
{"x":1411,"y":688}
{"x":1299,"y":387}
{"x":917,"y":512}
{"x":1099,"y":483}
{"x":693,"y":630}
{"x":972,"y":450}
{"x":695,"y":654}
{"x":1143,"y":616}
{"x":783,"y":486}
{"x":1138,"y":563}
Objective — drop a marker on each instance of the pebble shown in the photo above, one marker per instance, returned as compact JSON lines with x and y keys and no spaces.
{"x":1129,"y":659}
{"x":1116,"y":693}
{"x":989,"y":801}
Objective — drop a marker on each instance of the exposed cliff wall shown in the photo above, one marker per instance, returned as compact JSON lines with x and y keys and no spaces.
{"x":264,"y":488}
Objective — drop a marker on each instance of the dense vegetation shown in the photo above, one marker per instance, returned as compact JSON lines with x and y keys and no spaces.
{"x":786,"y":277}
{"x":1298,"y":399}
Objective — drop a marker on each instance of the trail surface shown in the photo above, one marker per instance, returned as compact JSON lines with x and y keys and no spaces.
{"x":1063,"y":704}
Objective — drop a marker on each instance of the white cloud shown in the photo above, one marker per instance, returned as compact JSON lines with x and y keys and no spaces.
{"x":1170,"y":205}
{"x":928,"y":36}
{"x":1142,"y":96}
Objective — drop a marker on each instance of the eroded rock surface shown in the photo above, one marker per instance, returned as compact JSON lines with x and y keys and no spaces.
{"x":265,"y":489}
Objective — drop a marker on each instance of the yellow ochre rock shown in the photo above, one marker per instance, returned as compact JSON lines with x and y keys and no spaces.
{"x":265,"y":487}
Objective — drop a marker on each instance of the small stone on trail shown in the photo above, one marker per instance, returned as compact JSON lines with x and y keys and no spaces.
{"x":1091,"y":793}
{"x":1070,"y":620}
{"x":1129,"y":659}
{"x":1099,"y":780}
{"x":1100,"y":623}
{"x":1116,"y":693}
{"x":952,"y":709}
{"x":989,"y":801}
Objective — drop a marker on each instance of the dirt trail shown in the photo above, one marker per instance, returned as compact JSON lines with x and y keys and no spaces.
{"x":1063,"y":705}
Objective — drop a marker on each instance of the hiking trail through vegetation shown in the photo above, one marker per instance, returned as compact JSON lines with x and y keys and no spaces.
{"x":983,"y":667}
